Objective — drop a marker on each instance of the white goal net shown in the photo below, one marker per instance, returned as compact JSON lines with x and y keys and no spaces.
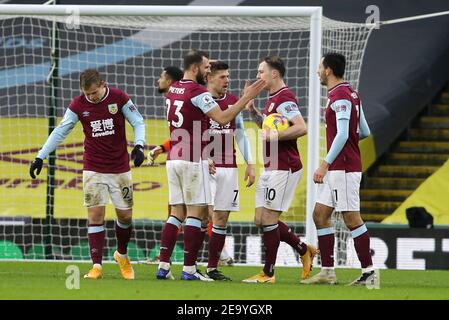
{"x":42,"y":221}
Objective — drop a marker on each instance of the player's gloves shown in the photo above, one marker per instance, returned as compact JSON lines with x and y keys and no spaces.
{"x":137,"y":155}
{"x":36,"y":165}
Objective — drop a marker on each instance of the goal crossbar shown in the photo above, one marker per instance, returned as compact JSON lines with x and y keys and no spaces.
{"x":134,"y":10}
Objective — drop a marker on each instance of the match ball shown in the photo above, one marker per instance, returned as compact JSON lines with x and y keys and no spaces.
{"x":275,"y":121}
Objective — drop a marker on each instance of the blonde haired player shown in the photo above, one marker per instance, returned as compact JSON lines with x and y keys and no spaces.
{"x":102,"y":110}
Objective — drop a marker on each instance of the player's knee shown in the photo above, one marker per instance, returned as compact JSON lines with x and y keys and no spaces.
{"x":258,"y":222}
{"x":221,"y":222}
{"x":320,"y":220}
{"x":220,"y":218}
{"x":352,"y":221}
{"x":124,"y":216}
{"x":96,"y":220}
{"x":125,"y":219}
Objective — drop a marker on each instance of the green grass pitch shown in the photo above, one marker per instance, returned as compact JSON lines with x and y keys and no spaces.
{"x":44,"y":280}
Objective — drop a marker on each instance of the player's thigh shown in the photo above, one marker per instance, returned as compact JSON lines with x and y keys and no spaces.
{"x":345,"y":188}
{"x":280,"y":189}
{"x":120,"y":187}
{"x":95,"y":189}
{"x":227,"y":190}
{"x":195,"y":183}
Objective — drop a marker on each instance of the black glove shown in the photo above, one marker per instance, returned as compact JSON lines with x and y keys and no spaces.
{"x":36,"y":165}
{"x":137,"y":155}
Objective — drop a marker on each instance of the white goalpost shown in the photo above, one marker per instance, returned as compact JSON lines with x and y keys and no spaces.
{"x":45,"y":47}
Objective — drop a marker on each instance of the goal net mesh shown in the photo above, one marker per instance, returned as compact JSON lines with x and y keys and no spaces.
{"x":131,"y":52}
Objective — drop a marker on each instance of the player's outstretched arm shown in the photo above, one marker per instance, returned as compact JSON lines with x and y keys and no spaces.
{"x":68,"y":122}
{"x":249,"y":93}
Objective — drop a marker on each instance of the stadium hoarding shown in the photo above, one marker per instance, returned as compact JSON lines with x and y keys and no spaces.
{"x":392,"y":247}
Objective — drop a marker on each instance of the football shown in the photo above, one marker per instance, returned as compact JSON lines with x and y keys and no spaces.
{"x":275,"y":121}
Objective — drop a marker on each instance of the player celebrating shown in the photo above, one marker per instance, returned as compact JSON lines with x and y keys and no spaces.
{"x":187,"y":102}
{"x":224,"y":182}
{"x":276,"y":186}
{"x":340,"y":173}
{"x":102,"y":111}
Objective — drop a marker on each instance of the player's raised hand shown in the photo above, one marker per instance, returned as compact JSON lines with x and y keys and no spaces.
{"x":36,"y":165}
{"x":137,"y":155}
{"x":250,"y":175}
{"x":252,"y":91}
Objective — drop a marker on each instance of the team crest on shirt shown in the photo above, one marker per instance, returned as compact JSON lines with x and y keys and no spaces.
{"x":113,"y":108}
{"x":270,"y":108}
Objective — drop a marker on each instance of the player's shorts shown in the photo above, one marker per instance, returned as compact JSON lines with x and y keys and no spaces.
{"x":224,"y":187}
{"x":97,"y":186}
{"x":188,"y":182}
{"x":276,"y":188}
{"x":340,"y":190}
